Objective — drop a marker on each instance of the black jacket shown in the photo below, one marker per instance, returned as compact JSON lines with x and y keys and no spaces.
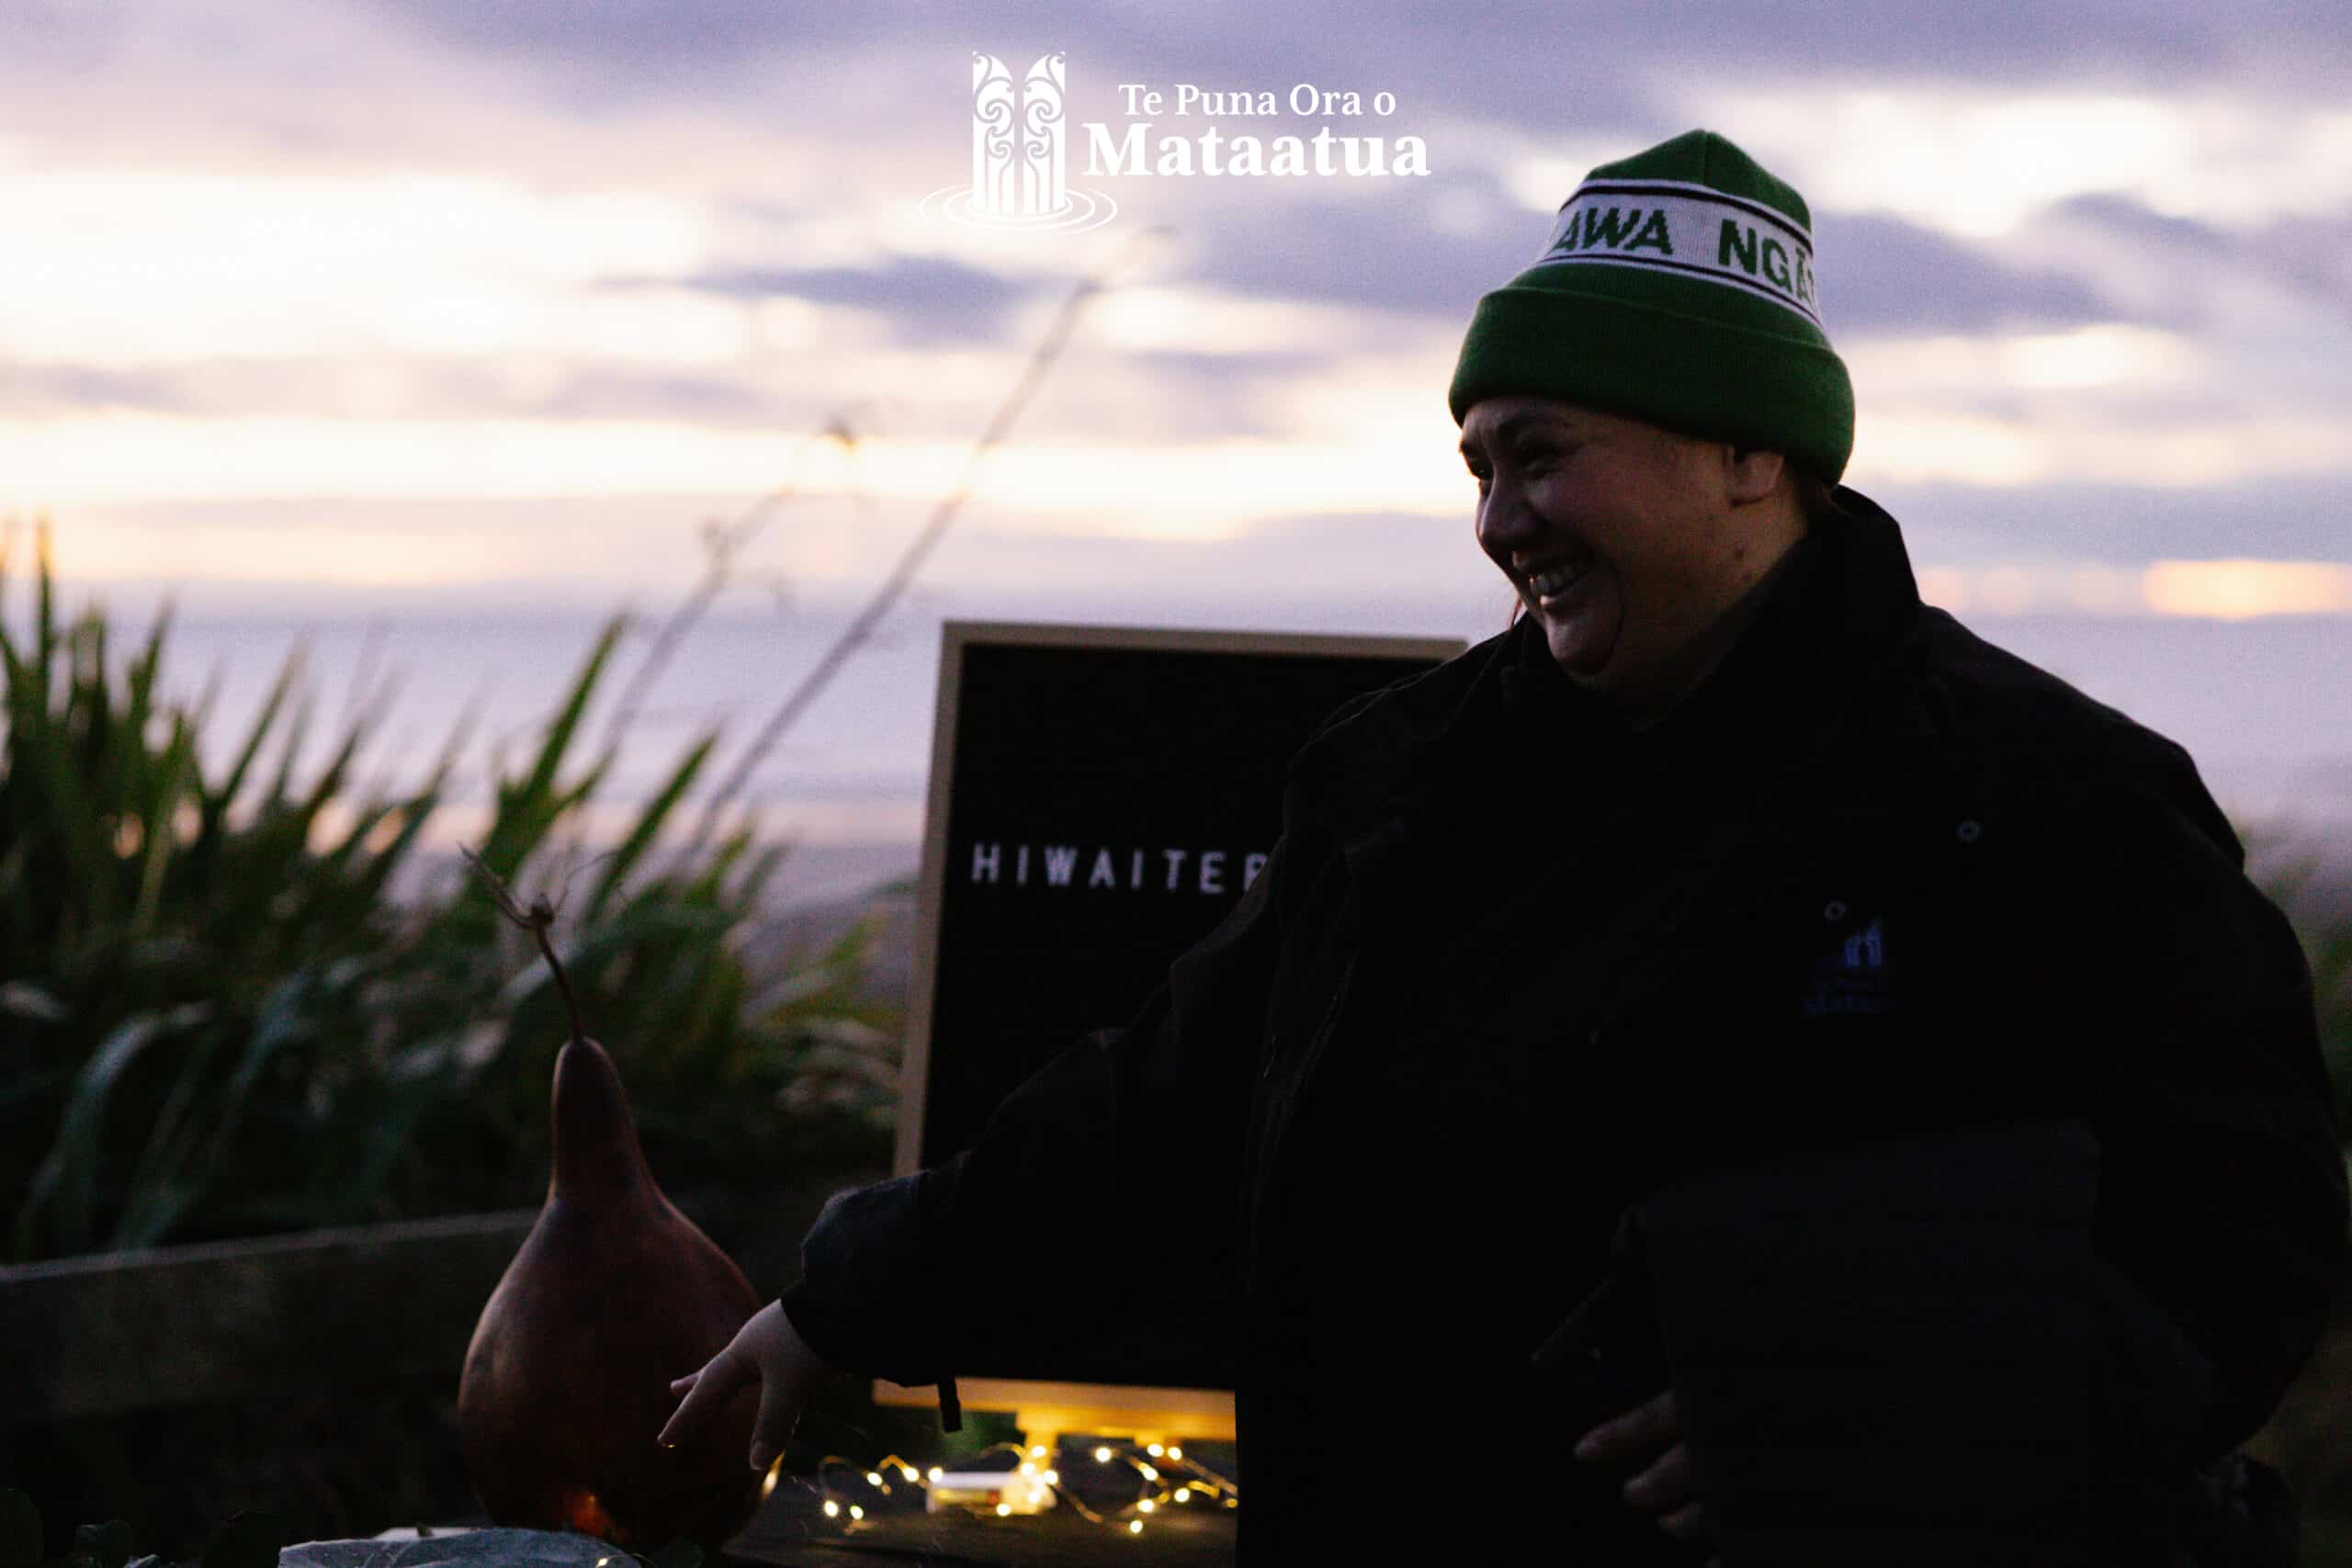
{"x":1513,"y":969}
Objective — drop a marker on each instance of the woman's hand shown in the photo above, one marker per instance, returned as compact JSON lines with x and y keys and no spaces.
{"x":1667,"y":1488}
{"x":764,"y":1349}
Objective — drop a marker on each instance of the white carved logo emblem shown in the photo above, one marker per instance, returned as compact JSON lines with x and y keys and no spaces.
{"x":1020,"y":158}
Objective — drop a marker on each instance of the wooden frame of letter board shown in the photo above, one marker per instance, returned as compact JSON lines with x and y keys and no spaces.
{"x":1045,"y":1409}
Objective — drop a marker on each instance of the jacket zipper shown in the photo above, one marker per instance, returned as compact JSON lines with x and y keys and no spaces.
{"x":1330,"y":1018}
{"x":1285,"y":1100}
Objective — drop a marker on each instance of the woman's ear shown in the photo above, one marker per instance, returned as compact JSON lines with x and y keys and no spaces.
{"x":1751,"y":474}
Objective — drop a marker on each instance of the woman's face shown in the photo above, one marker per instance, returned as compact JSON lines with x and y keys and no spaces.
{"x":1620,"y":538}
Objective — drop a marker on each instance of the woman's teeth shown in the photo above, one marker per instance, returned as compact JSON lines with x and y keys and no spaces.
{"x":1547,"y":583}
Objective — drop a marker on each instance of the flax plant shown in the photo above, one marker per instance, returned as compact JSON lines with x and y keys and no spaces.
{"x":215,"y":1020}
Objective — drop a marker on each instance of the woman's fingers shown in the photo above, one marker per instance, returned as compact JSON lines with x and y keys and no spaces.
{"x":706,"y":1387}
{"x":1686,"y":1524}
{"x":1664,"y":1487}
{"x":764,"y":1350}
{"x":1643,"y":1429}
{"x":771,"y":1429}
{"x":1667,"y":1488}
{"x":792,"y":1373}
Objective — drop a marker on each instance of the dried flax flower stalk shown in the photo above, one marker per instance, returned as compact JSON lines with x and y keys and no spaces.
{"x":536,"y":919}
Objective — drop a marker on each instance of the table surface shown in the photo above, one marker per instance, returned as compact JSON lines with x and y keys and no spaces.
{"x":790,"y":1530}
{"x":952,"y":1541}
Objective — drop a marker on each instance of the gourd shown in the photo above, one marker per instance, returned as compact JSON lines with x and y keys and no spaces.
{"x":566,"y":1381}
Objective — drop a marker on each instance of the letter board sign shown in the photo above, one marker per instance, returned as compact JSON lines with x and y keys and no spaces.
{"x":1099,"y":798}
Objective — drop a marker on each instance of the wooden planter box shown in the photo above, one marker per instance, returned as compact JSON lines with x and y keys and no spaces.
{"x":120,"y":1332}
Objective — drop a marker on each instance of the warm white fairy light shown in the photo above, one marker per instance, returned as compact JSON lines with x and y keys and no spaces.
{"x":1042,"y":1484}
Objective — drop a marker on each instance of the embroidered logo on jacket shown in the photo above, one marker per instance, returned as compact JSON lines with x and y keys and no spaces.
{"x":1855,"y":973}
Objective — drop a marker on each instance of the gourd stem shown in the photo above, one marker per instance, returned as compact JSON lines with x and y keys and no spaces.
{"x":563,"y":982}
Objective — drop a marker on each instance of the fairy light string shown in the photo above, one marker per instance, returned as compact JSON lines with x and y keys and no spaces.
{"x":1183,"y":1483}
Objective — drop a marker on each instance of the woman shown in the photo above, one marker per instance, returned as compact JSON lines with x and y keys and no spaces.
{"x":1727,"y":850}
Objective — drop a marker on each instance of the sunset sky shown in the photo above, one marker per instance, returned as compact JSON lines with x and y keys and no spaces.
{"x":338,"y":304}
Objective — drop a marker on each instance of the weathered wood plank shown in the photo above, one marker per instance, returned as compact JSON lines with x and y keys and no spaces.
{"x":217,"y":1320}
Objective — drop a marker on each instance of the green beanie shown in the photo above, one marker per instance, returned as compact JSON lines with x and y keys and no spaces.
{"x":1677,"y":288}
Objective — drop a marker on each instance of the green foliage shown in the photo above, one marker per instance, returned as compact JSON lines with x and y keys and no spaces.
{"x":251,"y":1538}
{"x":2288,"y":874}
{"x":20,"y":1538}
{"x":2305,"y":1438}
{"x":95,"y":1546}
{"x":215,"y":1020}
{"x":108,"y":1544}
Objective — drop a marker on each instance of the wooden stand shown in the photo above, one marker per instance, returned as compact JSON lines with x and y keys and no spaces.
{"x":1047,"y":1411}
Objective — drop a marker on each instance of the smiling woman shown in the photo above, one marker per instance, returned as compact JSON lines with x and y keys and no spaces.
{"x":1628,"y":937}
{"x":1637,"y":549}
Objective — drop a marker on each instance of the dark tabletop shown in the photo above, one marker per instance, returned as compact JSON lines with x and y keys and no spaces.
{"x":792,"y":1531}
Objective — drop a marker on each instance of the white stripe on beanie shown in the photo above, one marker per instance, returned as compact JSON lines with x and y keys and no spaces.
{"x":1692,"y":230}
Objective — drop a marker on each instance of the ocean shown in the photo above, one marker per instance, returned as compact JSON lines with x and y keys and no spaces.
{"x":2259,"y":703}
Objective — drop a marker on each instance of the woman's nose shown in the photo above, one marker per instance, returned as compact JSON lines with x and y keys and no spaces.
{"x":1504,"y":517}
